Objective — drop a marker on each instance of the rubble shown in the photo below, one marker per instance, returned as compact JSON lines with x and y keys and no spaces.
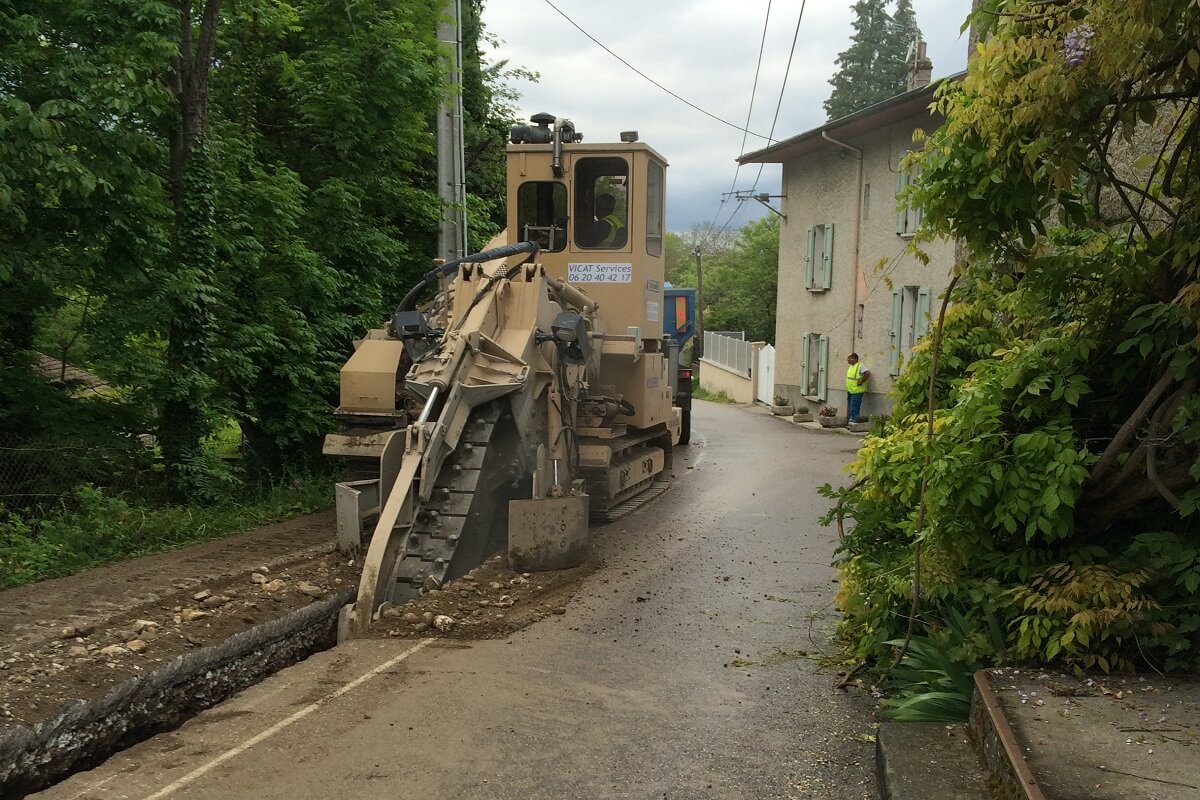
{"x":309,"y":589}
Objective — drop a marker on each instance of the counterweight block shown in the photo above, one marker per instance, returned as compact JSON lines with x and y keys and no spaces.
{"x":548,"y":534}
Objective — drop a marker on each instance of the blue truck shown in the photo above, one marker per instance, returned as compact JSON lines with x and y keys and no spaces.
{"x":679,"y":327}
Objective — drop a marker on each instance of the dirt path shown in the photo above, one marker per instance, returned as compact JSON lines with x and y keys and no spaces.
{"x":77,"y":638}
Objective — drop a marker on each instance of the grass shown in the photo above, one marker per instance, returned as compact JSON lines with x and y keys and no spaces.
{"x":98,"y":528}
{"x":700,"y":393}
{"x":226,"y":441}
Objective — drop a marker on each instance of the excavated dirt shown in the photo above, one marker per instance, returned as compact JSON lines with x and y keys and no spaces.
{"x":489,"y":602}
{"x":84,"y":661}
{"x":77,"y":638}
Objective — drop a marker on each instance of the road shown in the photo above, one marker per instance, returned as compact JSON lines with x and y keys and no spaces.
{"x":688,"y":666}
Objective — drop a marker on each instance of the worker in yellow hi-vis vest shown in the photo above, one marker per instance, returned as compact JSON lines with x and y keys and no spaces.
{"x":607,"y":231}
{"x":857,"y":376}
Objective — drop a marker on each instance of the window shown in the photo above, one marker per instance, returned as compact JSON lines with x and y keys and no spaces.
{"x":542,"y":214}
{"x":814,"y":365}
{"x":910,"y":321}
{"x":818,"y":258}
{"x":654,"y":209}
{"x":601,"y":203}
{"x":908,"y":217}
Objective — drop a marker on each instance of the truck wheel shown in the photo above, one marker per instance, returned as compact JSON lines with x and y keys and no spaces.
{"x":685,"y":426}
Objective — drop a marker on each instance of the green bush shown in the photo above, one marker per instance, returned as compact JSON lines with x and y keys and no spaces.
{"x":96,"y":528}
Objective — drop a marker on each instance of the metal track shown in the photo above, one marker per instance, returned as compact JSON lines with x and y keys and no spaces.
{"x":451,"y":531}
{"x":602,"y":507}
{"x":632,"y":504}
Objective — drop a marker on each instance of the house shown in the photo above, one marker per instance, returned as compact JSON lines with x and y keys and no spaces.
{"x":846,"y":281}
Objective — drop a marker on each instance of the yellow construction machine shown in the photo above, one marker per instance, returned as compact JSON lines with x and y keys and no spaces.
{"x":519,"y":392}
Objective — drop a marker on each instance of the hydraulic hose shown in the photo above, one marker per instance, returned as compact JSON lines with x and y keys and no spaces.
{"x":504,"y":251}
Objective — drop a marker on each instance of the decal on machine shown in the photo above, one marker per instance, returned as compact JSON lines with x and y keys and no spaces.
{"x":653,"y":286}
{"x":652,"y":311}
{"x":582,"y":272}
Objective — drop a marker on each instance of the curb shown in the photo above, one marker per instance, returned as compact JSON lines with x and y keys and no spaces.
{"x":927,"y":761}
{"x":85,"y":732}
{"x":1001,"y":752}
{"x":816,"y":426}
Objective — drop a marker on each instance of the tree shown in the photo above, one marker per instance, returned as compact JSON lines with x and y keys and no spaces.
{"x":208,"y":200}
{"x":903,"y":34}
{"x":1053,"y":499}
{"x":82,"y":206}
{"x":740,"y":285}
{"x":873,"y":68}
{"x":680,"y":251}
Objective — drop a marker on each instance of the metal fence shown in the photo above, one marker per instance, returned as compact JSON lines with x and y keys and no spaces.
{"x":37,"y":473}
{"x":731,"y":353}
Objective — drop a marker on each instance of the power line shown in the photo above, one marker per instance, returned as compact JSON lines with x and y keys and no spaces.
{"x":749,"y":111}
{"x":602,"y":46}
{"x":774,"y":121}
{"x":787,"y":70}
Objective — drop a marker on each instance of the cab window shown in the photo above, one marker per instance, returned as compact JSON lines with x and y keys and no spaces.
{"x":542,"y":214}
{"x":601,"y":203}
{"x":654,"y":209}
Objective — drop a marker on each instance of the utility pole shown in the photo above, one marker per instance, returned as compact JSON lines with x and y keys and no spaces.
{"x":699,"y":305}
{"x":452,"y":188}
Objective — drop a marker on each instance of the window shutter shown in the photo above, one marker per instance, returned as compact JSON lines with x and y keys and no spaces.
{"x":902,"y":207}
{"x":827,"y":279}
{"x":922,"y":322}
{"x":823,"y":375}
{"x":894,"y":354}
{"x":809,"y":258}
{"x":804,"y":361}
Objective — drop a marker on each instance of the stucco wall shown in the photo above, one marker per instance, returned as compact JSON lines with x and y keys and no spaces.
{"x":822,"y":187}
{"x":716,"y":378}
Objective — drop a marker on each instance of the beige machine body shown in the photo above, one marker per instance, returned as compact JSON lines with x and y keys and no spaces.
{"x":533,"y":388}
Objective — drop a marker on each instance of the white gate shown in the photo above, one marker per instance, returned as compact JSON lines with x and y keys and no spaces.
{"x":764,"y":381}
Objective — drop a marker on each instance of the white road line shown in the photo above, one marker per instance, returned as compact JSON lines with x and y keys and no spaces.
{"x":96,"y":785}
{"x":171,"y":788}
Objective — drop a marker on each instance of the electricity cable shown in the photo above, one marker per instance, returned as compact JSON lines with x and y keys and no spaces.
{"x":686,"y":102}
{"x":774,"y":121}
{"x":786,"y":71}
{"x":762,"y":44}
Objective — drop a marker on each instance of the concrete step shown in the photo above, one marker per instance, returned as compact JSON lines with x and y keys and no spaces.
{"x":1046,"y":734}
{"x":928,"y":761}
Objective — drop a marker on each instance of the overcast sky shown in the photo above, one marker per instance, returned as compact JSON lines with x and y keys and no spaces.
{"x":705,"y":51}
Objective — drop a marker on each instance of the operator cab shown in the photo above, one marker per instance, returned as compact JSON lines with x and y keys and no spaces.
{"x":597,"y":212}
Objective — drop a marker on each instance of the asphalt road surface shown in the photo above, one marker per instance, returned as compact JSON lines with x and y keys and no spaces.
{"x":691,"y":665}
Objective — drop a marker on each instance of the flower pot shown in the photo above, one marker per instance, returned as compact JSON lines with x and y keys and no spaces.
{"x":803,"y":417}
{"x":832,"y":422}
{"x":782,"y":411}
{"x":859,"y":427}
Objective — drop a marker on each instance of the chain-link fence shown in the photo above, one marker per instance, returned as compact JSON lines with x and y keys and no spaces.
{"x":38,"y":473}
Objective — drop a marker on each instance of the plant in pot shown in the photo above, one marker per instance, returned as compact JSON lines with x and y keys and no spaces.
{"x":781,"y":407}
{"x":802,"y":414}
{"x":828,"y":417}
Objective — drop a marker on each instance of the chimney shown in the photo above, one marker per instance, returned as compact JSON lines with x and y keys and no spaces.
{"x":920,"y":68}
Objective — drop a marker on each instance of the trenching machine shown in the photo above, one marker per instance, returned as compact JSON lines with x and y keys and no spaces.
{"x":530,"y":391}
